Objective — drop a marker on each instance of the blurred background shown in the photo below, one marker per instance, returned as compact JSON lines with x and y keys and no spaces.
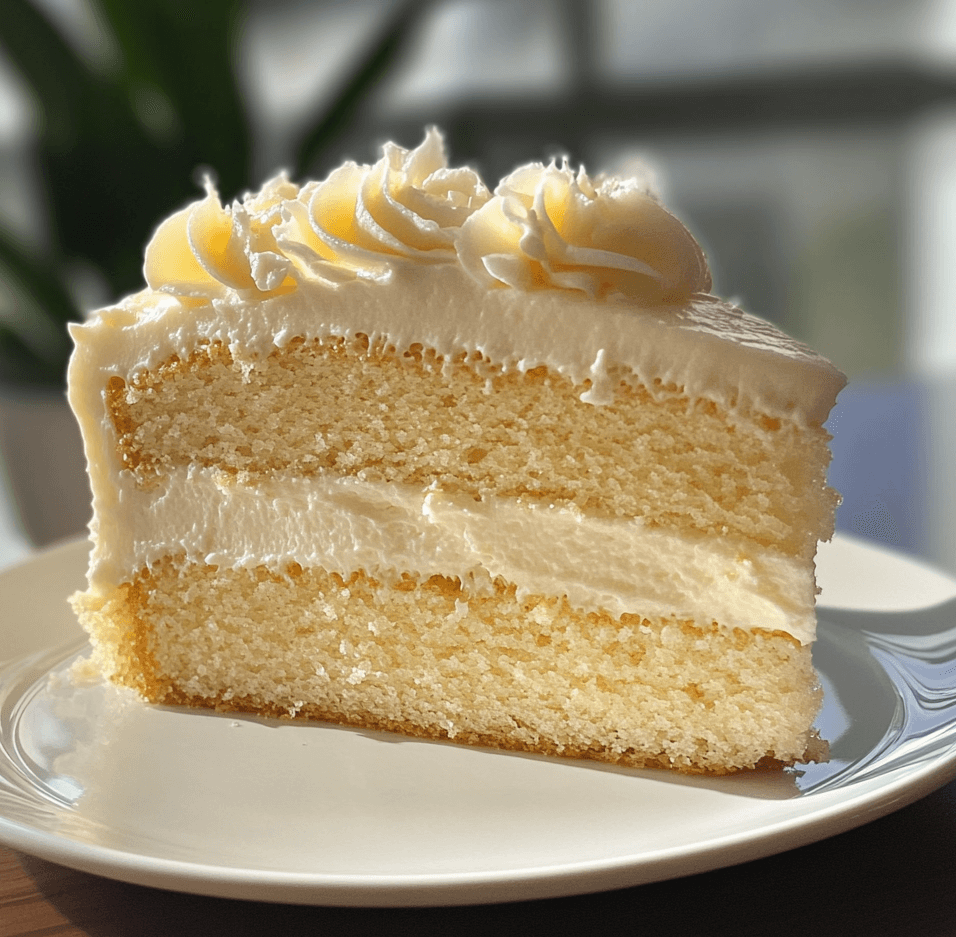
{"x":810,"y":146}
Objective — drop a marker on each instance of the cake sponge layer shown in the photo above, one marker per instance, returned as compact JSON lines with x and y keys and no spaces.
{"x":340,"y":407}
{"x":439,"y":658}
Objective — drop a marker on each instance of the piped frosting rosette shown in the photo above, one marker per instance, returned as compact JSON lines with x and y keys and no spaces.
{"x":362,"y":219}
{"x":545,"y":228}
{"x":548,"y":228}
{"x":207,"y":248}
{"x":356,"y":224}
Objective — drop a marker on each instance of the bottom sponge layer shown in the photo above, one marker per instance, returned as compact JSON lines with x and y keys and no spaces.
{"x":469,"y":661}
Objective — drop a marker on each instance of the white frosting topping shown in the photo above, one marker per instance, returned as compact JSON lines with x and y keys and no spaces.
{"x":704,"y":346}
{"x":545,"y":228}
{"x":205,"y":249}
{"x":343,"y":524}
{"x":551,"y":228}
{"x":358,"y":223}
{"x":593,"y":279}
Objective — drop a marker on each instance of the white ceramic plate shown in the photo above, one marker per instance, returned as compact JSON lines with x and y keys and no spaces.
{"x":249,"y":808}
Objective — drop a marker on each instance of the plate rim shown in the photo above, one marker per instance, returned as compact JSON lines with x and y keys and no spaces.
{"x":480,"y":887}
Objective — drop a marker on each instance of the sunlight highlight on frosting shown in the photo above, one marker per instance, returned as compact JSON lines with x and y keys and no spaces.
{"x":545,"y":227}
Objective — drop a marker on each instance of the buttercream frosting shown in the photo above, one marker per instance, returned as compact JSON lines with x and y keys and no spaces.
{"x":593,"y":279}
{"x":549,"y":227}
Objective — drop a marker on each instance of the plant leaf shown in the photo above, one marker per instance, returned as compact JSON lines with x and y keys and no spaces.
{"x":184,"y":52}
{"x":35,"y":278}
{"x":55,"y":73}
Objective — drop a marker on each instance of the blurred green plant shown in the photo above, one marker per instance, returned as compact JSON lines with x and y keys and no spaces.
{"x":118,"y":148}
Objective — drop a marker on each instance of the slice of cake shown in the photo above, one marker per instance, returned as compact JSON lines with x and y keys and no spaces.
{"x":395,"y":452}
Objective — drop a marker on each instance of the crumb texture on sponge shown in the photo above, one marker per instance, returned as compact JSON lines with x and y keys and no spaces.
{"x":342,"y":408}
{"x":471,"y":662}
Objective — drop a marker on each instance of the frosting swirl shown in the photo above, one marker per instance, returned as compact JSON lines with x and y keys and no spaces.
{"x":206,"y":248}
{"x":548,"y":227}
{"x":359,"y":221}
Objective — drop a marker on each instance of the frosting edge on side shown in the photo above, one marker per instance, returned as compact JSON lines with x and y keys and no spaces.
{"x":706,"y":347}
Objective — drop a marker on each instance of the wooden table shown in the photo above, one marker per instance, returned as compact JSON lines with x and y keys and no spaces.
{"x":895,"y":876}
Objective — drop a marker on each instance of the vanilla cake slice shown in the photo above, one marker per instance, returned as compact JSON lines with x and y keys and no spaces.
{"x":394,"y":451}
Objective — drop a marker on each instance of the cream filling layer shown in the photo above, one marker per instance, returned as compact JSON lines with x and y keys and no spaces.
{"x":343,"y":524}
